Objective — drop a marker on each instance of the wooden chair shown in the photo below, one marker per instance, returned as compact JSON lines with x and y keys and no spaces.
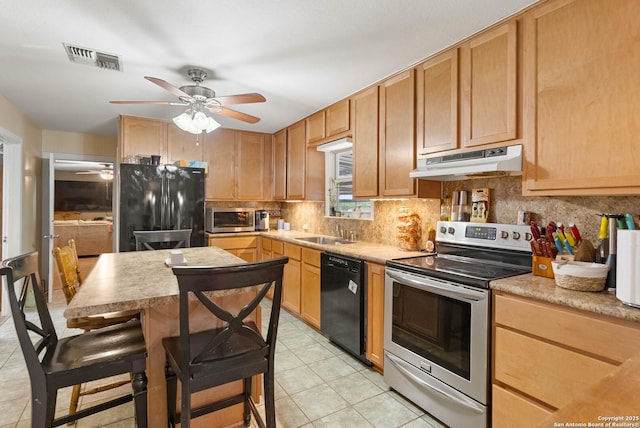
{"x":66,"y":259}
{"x":236,"y":351}
{"x":162,"y":239}
{"x":54,"y":363}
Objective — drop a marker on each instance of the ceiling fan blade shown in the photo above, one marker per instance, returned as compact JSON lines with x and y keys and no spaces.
{"x":88,"y":172}
{"x":162,"y":103}
{"x":235,"y":114}
{"x":169,"y":87}
{"x":241,"y":99}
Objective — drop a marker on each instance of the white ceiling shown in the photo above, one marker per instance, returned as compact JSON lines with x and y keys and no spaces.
{"x":302,"y":55}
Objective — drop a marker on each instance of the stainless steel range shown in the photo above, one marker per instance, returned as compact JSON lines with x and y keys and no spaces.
{"x":437,"y":318}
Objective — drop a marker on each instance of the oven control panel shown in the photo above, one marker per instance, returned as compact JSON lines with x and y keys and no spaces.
{"x":493,"y":235}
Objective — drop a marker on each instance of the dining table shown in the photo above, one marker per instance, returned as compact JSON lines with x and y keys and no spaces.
{"x":144,"y":281}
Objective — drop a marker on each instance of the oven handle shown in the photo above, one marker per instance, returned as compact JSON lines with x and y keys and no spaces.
{"x":431,"y":283}
{"x":464,"y":401}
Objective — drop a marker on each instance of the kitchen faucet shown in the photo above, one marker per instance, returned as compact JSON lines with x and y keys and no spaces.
{"x":339,"y":231}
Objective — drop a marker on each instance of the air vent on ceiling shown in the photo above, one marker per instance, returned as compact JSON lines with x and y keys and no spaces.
{"x":92,"y":57}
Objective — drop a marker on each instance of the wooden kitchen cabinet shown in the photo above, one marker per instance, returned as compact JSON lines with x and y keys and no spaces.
{"x":328,"y":124}
{"x":545,"y":354}
{"x":183,"y":145}
{"x":437,"y":103}
{"x":143,"y":136}
{"x":238,"y":167}
{"x":397,"y":135}
{"x":280,"y":165}
{"x":365,"y":143}
{"x":296,"y":160}
{"x":315,"y":127}
{"x":245,"y":247}
{"x":489,"y":86}
{"x":580,"y":92}
{"x":220,"y":153}
{"x":291,"y":278}
{"x":375,"y":315}
{"x":310,"y":287}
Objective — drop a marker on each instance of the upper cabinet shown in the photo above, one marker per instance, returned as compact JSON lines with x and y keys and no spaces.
{"x":296,"y":160}
{"x":237,"y":166}
{"x":437,"y":103}
{"x":280,"y":165}
{"x":467,"y":96}
{"x":143,"y":136}
{"x":489,"y":86}
{"x":397,"y":135}
{"x":365,"y":143}
{"x":328,"y":124}
{"x":581,"y":62}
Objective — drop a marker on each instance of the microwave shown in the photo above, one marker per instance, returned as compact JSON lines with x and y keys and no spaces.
{"x":220,"y":220}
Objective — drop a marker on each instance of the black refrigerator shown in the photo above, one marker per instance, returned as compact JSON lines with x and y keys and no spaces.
{"x":160,"y":197}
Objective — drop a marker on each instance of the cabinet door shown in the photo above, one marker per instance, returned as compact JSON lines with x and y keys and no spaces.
{"x":489,"y":70}
{"x":375,"y":314}
{"x":337,"y":118}
{"x":314,"y":180}
{"x":397,"y":135}
{"x":249,"y":255}
{"x":437,"y":104}
{"x":280,"y":165}
{"x":296,"y":154}
{"x":581,"y":62}
{"x":365,"y":143}
{"x":183,"y":145}
{"x":250,"y":168}
{"x":310,"y":287}
{"x":142,"y":136}
{"x":221,"y":156}
{"x":315,"y":127}
{"x":510,"y":409}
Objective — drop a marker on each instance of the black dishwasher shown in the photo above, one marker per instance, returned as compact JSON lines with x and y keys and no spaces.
{"x":342,"y":302}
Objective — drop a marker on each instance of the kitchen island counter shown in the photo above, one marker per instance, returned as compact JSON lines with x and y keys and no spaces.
{"x":545,"y":289}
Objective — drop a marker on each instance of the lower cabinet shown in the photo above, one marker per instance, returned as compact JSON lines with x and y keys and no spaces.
{"x":545,"y":354}
{"x":375,"y":315}
{"x":291,"y":278}
{"x":310,"y":287}
{"x":245,"y":247}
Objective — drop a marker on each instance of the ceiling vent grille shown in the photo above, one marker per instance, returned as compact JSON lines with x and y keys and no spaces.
{"x":92,"y":57}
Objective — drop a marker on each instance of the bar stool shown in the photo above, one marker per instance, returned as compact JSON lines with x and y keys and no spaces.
{"x":236,"y":351}
{"x":165,"y":239}
{"x":66,"y":259}
{"x":55,"y":363}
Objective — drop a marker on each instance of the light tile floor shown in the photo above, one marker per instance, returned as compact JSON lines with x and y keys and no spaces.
{"x":317,"y":385}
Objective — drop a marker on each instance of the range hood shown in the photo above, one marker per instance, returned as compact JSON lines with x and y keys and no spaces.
{"x":462,"y":166}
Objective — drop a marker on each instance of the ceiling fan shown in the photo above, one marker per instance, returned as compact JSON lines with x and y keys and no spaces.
{"x":199,"y":99}
{"x":106,"y":173}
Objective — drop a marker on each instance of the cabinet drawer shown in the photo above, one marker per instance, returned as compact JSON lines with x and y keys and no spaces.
{"x":542,"y":370}
{"x":611,"y":339}
{"x":277,"y":247}
{"x":234,"y":242}
{"x":311,"y":257}
{"x":509,"y":409}
{"x":292,"y":251}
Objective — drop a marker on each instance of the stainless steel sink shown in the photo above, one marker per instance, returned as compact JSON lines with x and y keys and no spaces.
{"x":325,"y":240}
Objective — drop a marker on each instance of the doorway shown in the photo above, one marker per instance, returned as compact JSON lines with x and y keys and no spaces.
{"x":68,"y":167}
{"x":10,"y":202}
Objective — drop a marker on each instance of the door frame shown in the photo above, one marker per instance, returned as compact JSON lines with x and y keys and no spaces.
{"x":11,"y":201}
{"x":48,"y":200}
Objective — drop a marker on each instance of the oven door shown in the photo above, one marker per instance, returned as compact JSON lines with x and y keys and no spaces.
{"x":439,"y":328}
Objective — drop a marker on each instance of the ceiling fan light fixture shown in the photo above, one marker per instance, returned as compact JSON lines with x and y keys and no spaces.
{"x":213,"y":125}
{"x":106,"y":175}
{"x":184,"y":122}
{"x":200,"y":120}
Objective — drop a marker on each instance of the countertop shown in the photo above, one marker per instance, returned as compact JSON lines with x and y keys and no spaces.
{"x":545,"y":289}
{"x":369,"y":251}
{"x":138,"y":279}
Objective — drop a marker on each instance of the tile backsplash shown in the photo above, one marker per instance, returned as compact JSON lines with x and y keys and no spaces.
{"x":506,"y":201}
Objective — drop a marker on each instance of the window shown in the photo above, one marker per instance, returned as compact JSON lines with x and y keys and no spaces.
{"x":340,"y":201}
